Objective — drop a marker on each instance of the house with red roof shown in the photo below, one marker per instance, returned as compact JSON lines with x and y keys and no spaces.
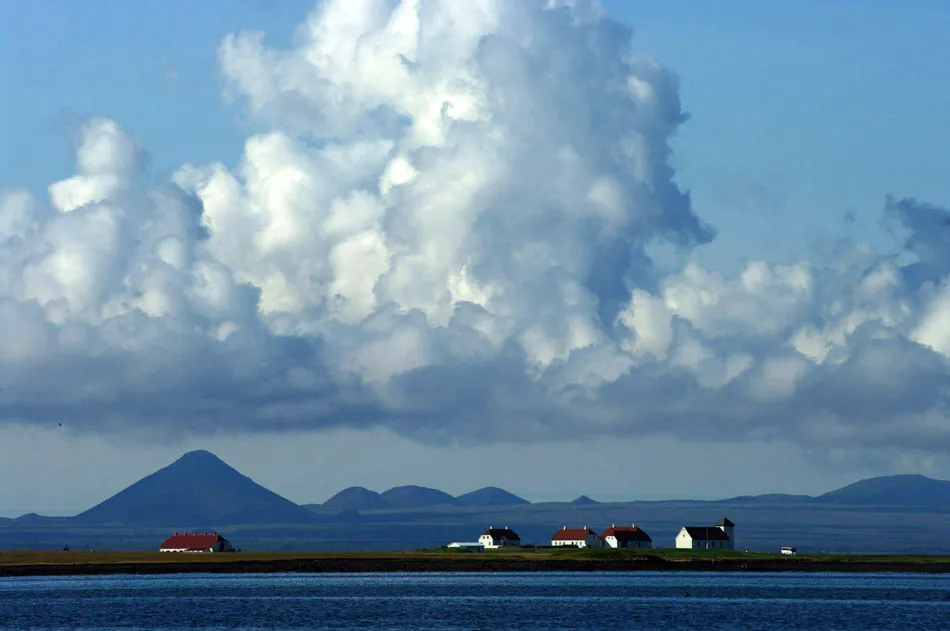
{"x":196,"y":542}
{"x":578,"y":537}
{"x":499,"y":538}
{"x":625,"y":537}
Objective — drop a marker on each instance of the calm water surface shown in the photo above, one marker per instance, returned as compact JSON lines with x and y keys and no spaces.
{"x":479,"y":601}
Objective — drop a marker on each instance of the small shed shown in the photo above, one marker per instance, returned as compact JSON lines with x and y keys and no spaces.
{"x":466,"y":546}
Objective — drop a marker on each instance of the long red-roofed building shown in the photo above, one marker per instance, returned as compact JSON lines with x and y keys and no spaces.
{"x":579,"y":537}
{"x":196,"y":542}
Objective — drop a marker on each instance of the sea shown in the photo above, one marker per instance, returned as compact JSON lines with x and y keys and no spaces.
{"x":548,"y":600}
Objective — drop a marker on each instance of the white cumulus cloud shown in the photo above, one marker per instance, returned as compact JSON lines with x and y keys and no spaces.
{"x":447,"y":229}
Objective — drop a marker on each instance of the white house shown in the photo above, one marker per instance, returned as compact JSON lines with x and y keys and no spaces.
{"x":625,"y":537}
{"x":718,"y":537}
{"x":499,"y":538}
{"x":196,"y":542}
{"x":578,"y":537}
{"x":467,"y":546}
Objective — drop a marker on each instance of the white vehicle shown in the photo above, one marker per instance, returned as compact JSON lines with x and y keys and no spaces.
{"x":788,"y":550}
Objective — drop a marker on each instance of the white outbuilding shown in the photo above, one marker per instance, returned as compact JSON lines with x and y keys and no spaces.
{"x":466,"y":546}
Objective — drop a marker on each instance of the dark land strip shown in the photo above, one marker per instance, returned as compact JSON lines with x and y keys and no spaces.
{"x":466,"y":563}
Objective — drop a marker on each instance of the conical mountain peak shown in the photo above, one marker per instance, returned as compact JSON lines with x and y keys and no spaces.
{"x":583,"y":500}
{"x":199,"y":490}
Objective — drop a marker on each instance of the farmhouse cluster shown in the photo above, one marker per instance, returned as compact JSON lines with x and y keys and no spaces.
{"x":719,"y":536}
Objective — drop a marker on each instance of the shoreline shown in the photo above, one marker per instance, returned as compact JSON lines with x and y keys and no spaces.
{"x":407,"y":563}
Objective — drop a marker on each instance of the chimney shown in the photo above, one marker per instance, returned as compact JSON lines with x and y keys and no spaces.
{"x":613,"y":525}
{"x":564,"y":528}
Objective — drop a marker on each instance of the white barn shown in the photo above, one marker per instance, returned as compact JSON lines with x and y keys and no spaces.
{"x":578,"y":537}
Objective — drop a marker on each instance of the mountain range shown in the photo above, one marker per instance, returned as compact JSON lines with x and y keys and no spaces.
{"x":201,"y":492}
{"x":362,"y":499}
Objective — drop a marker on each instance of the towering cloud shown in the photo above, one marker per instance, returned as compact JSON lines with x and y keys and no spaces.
{"x":447,"y":229}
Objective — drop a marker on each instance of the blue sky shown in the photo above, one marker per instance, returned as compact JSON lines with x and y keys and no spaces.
{"x":827,"y":106}
{"x":805,"y":115}
{"x":117,"y":59}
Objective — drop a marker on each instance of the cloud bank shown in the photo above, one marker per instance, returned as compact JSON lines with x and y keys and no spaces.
{"x":447,"y":230}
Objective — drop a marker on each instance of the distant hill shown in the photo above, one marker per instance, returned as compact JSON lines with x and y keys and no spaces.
{"x":355,"y":498}
{"x":491,"y":496}
{"x":416,"y":497}
{"x":583,"y":500}
{"x":29,"y":518}
{"x":196,"y":491}
{"x":894,"y":490}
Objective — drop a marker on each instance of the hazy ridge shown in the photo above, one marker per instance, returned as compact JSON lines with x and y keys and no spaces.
{"x":904,"y":513}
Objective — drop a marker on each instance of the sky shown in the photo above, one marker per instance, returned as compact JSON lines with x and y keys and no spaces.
{"x":633,"y":250}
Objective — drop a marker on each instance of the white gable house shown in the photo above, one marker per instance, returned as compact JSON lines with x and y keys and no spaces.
{"x":718,"y":537}
{"x":625,"y":537}
{"x":499,"y":538}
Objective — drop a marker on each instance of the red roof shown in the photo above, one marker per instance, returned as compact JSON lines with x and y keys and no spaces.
{"x":573,"y":534}
{"x":502,"y":533}
{"x":626,"y":533}
{"x":195,"y":541}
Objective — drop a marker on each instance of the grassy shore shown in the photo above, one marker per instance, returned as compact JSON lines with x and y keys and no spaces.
{"x":31,"y":563}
